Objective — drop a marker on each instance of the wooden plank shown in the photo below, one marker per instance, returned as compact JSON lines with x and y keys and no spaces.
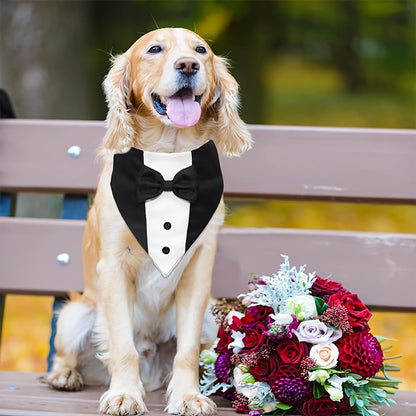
{"x":34,"y":155}
{"x":22,"y":394}
{"x":377,"y":266}
{"x":29,"y":249}
{"x":287,"y":162}
{"x":326,"y":163}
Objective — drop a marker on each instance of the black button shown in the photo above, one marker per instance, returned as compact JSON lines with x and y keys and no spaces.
{"x":167,"y":225}
{"x":165,"y":250}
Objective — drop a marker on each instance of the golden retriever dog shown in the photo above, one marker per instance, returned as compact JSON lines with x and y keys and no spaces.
{"x":167,"y":94}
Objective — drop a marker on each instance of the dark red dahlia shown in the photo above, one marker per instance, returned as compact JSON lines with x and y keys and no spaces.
{"x":289,"y":387}
{"x":222,"y":367}
{"x":361,"y":353}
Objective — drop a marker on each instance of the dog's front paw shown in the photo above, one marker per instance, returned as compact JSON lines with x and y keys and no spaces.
{"x":122,"y":404}
{"x":68,"y":379}
{"x":192,"y":405}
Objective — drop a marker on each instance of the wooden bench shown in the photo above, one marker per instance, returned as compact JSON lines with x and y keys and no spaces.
{"x":329,"y":164}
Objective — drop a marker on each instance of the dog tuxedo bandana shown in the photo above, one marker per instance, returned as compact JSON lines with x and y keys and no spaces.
{"x":167,"y":199}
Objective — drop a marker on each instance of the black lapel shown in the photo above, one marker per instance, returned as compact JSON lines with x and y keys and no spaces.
{"x":126,"y":168}
{"x":210,"y":187}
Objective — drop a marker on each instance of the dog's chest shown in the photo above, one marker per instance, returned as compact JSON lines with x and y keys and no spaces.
{"x":155,"y":312}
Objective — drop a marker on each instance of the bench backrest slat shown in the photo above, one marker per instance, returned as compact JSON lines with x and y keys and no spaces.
{"x":287,"y":162}
{"x":378,"y":266}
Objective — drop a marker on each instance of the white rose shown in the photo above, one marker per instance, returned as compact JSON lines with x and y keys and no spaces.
{"x":325,"y":355}
{"x":303,"y":306}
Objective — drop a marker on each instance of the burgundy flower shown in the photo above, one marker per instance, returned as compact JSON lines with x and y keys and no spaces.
{"x":264,"y":368}
{"x":224,"y":340}
{"x":319,"y":407}
{"x":222,"y":367}
{"x":289,"y":387}
{"x":361,"y":353}
{"x":291,"y":351}
{"x":259,"y":312}
{"x":325,"y":406}
{"x":343,"y":407}
{"x":322,"y":287}
{"x":358,"y":314}
{"x":255,"y":337}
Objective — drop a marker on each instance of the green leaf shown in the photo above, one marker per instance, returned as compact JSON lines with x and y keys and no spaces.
{"x":321,"y":306}
{"x":318,"y":390}
{"x":283,"y":406}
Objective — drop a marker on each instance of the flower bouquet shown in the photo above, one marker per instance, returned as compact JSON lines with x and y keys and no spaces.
{"x":297,"y":344}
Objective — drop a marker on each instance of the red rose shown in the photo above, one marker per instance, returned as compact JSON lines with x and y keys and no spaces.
{"x":255,"y":337}
{"x":322,"y":287}
{"x":259,"y":312}
{"x":223,"y":341}
{"x":319,"y":407}
{"x":264,"y":368}
{"x":358,"y":314}
{"x":239,"y":324}
{"x":291,"y":351}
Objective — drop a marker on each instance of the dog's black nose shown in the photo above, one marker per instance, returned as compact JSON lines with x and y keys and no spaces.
{"x":187,"y":66}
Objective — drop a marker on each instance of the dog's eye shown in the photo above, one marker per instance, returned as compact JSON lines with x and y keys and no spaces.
{"x":201,"y":49}
{"x":155,"y":49}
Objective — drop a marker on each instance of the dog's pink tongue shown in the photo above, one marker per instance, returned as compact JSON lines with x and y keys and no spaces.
{"x":183,"y":110}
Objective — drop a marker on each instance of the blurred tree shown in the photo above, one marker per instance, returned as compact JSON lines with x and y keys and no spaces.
{"x":42,"y":54}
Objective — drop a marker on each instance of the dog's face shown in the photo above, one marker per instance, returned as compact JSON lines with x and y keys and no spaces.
{"x":173,"y":75}
{"x":171,"y":78}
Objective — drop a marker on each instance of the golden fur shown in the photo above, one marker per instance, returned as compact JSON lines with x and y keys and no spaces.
{"x":128,"y":312}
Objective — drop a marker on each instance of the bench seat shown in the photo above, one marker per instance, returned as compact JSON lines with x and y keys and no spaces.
{"x":21,"y":394}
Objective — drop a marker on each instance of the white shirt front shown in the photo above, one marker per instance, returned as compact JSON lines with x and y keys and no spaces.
{"x":167,"y":216}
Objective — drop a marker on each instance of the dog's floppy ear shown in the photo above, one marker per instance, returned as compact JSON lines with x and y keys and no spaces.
{"x":117,"y":88}
{"x":233,"y":137}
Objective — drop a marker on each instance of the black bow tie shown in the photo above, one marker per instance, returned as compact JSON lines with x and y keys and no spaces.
{"x":151,"y":184}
